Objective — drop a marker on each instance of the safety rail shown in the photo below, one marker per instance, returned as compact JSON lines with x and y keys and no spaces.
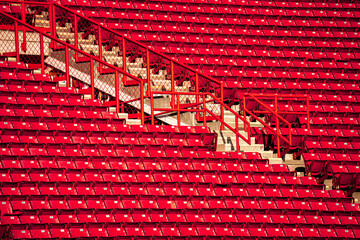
{"x":274,"y":112}
{"x":38,"y":44}
{"x":201,"y":107}
{"x":153,"y":62}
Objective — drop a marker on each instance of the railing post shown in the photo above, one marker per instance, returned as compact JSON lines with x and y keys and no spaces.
{"x":222,"y":107}
{"x":23,"y":19}
{"x":67,"y":66}
{"x":100,"y":48}
{"x":142,"y":103}
{"x":172,"y":82}
{"x":42,"y":54}
{"x":51,"y":19}
{"x":17,"y":48}
{"x":148,"y":77}
{"x":277,"y":127}
{"x":204,"y":108}
{"x":152,"y":109}
{"x":53,"y":24}
{"x":124,"y":58}
{"x":178,"y":109}
{"x":92,"y":78}
{"x":308,"y":112}
{"x":244,"y":110}
{"x":197,"y":96}
{"x":117,"y":100}
{"x":237,"y":132}
{"x":76,"y":37}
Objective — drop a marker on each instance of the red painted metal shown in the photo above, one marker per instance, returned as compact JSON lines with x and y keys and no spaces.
{"x":42,"y":55}
{"x":54,"y":8}
{"x":276,"y":113}
{"x":201,"y":108}
{"x":67,"y":63}
{"x":92,"y":79}
{"x":17,"y":42}
{"x":20,"y":26}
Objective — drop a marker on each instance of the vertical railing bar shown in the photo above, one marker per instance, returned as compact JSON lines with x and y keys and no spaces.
{"x":308,"y":112}
{"x":100,"y":49}
{"x":42,"y":54}
{"x":204,"y":108}
{"x":23,"y":17}
{"x":244,"y":111}
{"x":178,"y":109}
{"x":152,"y":109}
{"x":172,"y":82}
{"x":148,"y":77}
{"x":117,"y":100}
{"x":277,"y":127}
{"x":197,"y":90}
{"x":17,"y":48}
{"x":76,"y":37}
{"x":92,"y":78}
{"x":67,"y":66}
{"x":237,"y":132}
{"x":124,"y":58}
{"x":142,"y":103}
{"x":221,"y":106}
{"x":53,"y":24}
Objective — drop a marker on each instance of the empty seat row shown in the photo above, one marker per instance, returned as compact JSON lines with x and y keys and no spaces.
{"x":151,"y":230}
{"x":214,"y":38}
{"x":44,"y":100}
{"x":81,"y":138}
{"x":264,"y":60}
{"x":332,"y":147}
{"x":221,"y":6}
{"x":213,"y":6}
{"x":46,"y":216}
{"x":202,"y":187}
{"x":346,"y":177}
{"x":120,"y":150}
{"x":262,"y":48}
{"x":26,"y":76}
{"x":34,"y":89}
{"x":58,"y":116}
{"x":19,"y":203}
{"x":231,"y":21}
{"x":108,"y":115}
{"x":321,"y":165}
{"x":264,"y":73}
{"x":247,"y":176}
{"x":328,"y":123}
{"x":137,"y":163}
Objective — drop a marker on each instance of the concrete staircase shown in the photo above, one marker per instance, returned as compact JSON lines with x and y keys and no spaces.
{"x":159,"y":82}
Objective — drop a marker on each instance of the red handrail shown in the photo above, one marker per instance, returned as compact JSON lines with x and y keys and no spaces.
{"x":219,"y":99}
{"x":276,"y":114}
{"x":67,"y":46}
{"x":52,"y":18}
{"x":178,"y":109}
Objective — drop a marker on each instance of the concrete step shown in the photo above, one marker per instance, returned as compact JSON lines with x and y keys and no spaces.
{"x":133,"y":121}
{"x":42,"y":23}
{"x":275,"y":161}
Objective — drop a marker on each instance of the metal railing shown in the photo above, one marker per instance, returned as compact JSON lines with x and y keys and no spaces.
{"x":274,"y":114}
{"x":38,"y":44}
{"x":61,"y":22}
{"x":204,"y":110}
{"x":175,"y":74}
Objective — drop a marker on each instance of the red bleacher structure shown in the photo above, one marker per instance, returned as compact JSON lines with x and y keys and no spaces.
{"x":74,"y":74}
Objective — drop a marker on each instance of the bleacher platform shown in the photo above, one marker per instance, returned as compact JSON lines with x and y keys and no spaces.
{"x":72,"y":168}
